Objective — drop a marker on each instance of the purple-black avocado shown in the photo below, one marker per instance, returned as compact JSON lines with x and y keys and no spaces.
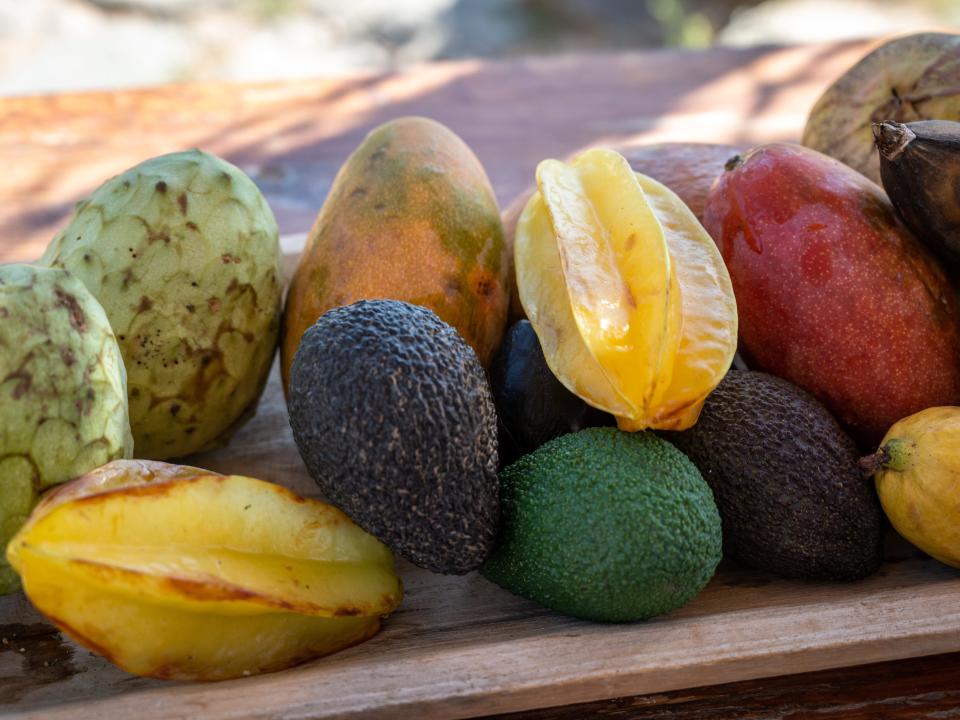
{"x":393,"y":416}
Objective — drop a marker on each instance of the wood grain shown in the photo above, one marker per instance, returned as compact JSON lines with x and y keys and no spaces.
{"x":461,"y":647}
{"x":920,"y":688}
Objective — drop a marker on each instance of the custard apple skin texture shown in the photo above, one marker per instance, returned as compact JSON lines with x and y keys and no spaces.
{"x":183,"y":253}
{"x":63,"y":393}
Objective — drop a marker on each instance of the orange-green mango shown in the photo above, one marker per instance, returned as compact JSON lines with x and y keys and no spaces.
{"x":411,"y":216}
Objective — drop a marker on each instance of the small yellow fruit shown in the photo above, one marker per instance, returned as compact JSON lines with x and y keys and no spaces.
{"x":917,"y":467}
{"x":174,"y":572}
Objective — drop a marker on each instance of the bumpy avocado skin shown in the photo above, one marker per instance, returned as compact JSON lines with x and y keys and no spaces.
{"x":393,"y":416}
{"x":183,"y":253}
{"x":606,"y":525}
{"x":63,"y":395}
{"x":786,"y":480}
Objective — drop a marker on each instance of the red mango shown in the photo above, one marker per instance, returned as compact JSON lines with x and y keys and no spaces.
{"x":834,"y":294}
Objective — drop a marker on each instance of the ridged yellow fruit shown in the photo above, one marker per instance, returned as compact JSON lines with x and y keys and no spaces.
{"x":916,"y":471}
{"x":627,"y":292}
{"x":178,"y":573}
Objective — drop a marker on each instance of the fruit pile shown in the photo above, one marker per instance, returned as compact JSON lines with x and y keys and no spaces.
{"x":598,"y":456}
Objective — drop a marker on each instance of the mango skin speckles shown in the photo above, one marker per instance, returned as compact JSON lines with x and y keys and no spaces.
{"x":183,"y":253}
{"x":411,"y":216}
{"x":834,"y":294}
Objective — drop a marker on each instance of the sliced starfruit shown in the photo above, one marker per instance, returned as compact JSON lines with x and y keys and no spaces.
{"x":627,"y":292}
{"x":179,"y":573}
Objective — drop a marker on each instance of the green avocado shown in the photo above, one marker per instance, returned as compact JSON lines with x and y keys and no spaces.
{"x":786,"y":480}
{"x":605,"y":525}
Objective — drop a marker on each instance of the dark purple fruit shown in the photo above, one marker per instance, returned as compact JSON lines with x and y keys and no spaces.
{"x":920,"y":169}
{"x":532,"y":405}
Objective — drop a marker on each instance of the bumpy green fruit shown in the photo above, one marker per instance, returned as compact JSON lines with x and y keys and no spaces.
{"x":63,"y":393}
{"x":605,"y":525}
{"x":182,"y":251}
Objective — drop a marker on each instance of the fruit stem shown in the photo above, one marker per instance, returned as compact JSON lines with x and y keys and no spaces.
{"x":892,"y":138}
{"x":732,"y":163}
{"x":871,"y":463}
{"x":892,"y":456}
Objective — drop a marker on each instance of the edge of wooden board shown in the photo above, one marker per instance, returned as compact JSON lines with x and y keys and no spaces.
{"x":535,"y":662}
{"x":512,"y":674}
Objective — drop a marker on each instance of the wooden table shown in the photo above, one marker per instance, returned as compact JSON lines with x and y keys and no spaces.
{"x":292,"y":137}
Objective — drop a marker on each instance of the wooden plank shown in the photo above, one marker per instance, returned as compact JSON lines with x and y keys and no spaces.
{"x":460,"y":647}
{"x":903,"y":690}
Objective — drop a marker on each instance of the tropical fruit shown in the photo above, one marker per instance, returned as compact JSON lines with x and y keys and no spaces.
{"x":532,"y":405}
{"x":920,"y":169}
{"x":176,"y":573}
{"x":915,"y":471}
{"x":909,"y":78}
{"x":834,"y":294}
{"x":63,"y":392}
{"x":686,"y":168}
{"x":411,"y":216}
{"x":393,"y":417}
{"x":182,"y":251}
{"x":606,"y":525}
{"x":626,"y":291}
{"x":786,"y":480}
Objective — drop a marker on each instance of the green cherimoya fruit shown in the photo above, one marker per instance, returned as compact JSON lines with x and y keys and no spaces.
{"x":393,"y":416}
{"x":786,"y":480}
{"x":63,"y":394}
{"x":182,"y":251}
{"x":605,"y":525}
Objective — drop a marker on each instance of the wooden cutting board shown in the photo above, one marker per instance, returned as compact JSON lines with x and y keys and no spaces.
{"x":461,"y":646}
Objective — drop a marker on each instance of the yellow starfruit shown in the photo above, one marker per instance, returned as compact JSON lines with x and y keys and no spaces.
{"x":626,"y":291}
{"x":179,"y":573}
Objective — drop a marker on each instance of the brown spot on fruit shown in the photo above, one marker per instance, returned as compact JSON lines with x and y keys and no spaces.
{"x":182,"y":202}
{"x":191,"y":308}
{"x":192,"y":225}
{"x":349,"y":611}
{"x":4,"y":313}
{"x":631,"y":241}
{"x":145,"y":304}
{"x":161,"y":187}
{"x":67,"y":356}
{"x":174,"y":409}
{"x":22,"y":387}
{"x":77,"y":318}
{"x":214,"y":304}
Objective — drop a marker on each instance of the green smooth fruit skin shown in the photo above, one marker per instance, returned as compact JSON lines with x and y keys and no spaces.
{"x":63,"y":393}
{"x":606,"y":525}
{"x":183,"y":253}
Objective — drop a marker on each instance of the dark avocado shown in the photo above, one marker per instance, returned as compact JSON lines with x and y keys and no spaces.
{"x":786,"y":480}
{"x":532,"y":405}
{"x":393,"y":416}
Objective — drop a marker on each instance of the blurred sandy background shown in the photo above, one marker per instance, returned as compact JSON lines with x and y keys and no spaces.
{"x":57,"y":45}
